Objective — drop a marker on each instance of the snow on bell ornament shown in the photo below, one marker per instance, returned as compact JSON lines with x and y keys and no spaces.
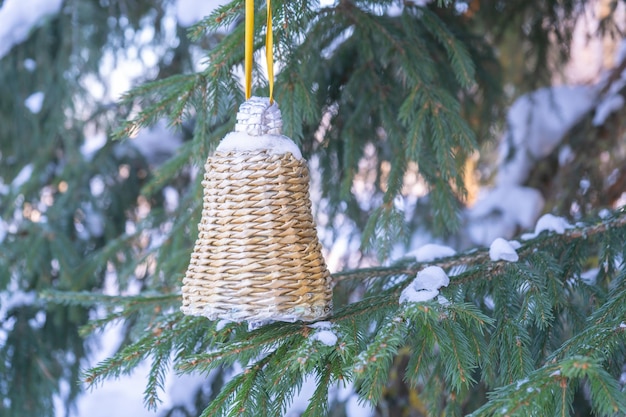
{"x":257,"y":256}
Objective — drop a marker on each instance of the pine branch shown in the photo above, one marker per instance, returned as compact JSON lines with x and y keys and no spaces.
{"x":449,"y":339}
{"x":616,"y":224}
{"x":459,"y":57}
{"x":163,"y":98}
{"x":318,"y":405}
{"x":89,"y":299}
{"x":385,"y":226}
{"x":222,"y":17}
{"x":534,"y":394}
{"x":377,"y":359}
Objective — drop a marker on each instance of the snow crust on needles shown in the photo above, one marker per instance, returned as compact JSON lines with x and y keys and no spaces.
{"x":19,"y":17}
{"x":425,"y":286}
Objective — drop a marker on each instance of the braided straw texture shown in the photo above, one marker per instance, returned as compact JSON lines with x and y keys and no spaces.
{"x":257,"y":256}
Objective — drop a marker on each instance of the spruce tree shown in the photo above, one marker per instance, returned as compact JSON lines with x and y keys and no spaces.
{"x":370,"y":96}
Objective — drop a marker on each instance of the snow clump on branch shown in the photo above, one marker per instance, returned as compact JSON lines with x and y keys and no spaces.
{"x":551,"y":223}
{"x":504,"y":250}
{"x":324,"y":333}
{"x":425,"y":286}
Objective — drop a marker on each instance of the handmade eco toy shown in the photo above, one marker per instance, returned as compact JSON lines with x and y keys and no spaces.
{"x":257,"y":256}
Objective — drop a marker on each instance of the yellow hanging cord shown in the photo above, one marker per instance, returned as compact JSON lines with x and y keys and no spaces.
{"x":249,"y":47}
{"x":269,"y":50}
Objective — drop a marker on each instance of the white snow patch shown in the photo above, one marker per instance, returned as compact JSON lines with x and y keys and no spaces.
{"x":171,"y":196}
{"x":19,"y":17}
{"x":489,"y":302}
{"x":394,"y":10}
{"x":620,"y":54}
{"x":604,"y":213}
{"x":4,"y":228}
{"x":30,"y":64}
{"x":254,"y":325}
{"x":411,"y":295}
{"x":554,"y":111}
{"x":431,"y":277}
{"x":443,"y":300}
{"x":566,"y":155}
{"x":124,"y":395}
{"x":611,"y":100}
{"x":324,"y":333}
{"x":622,"y":325}
{"x":321,"y":325}
{"x":501,"y":249}
{"x":338,"y":40}
{"x":549,"y":222}
{"x":302,"y":398}
{"x":461,"y":7}
{"x":425,"y":286}
{"x":515,"y":244}
{"x":513,"y":169}
{"x":609,"y":105}
{"x":94,"y":220}
{"x":272,"y":144}
{"x":537,"y":123}
{"x":221,"y":324}
{"x":326,"y":337}
{"x":502,"y":211}
{"x":339,"y":392}
{"x":357,"y":408}
{"x":612,"y":178}
{"x":521,"y":204}
{"x":157,"y":143}
{"x":457,"y":270}
{"x":584,"y":185}
{"x":521,"y":382}
{"x":96,"y":185}
{"x":430,"y":252}
{"x":180,"y":389}
{"x":126,"y":390}
{"x":93,"y":143}
{"x":22,"y":177}
{"x":14,"y":298}
{"x":34,"y":102}
{"x":190,"y":12}
{"x":38,"y":321}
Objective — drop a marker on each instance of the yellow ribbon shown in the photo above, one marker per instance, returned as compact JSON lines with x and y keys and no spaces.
{"x":249,"y":48}
{"x":269,"y":50}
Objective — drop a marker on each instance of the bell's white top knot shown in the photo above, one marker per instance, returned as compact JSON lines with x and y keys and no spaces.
{"x":258,"y":129}
{"x":258,"y":117}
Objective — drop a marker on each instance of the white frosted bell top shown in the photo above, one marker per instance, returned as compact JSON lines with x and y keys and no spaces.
{"x":258,"y":129}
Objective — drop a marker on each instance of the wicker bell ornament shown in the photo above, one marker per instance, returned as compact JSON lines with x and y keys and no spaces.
{"x":257,"y":256}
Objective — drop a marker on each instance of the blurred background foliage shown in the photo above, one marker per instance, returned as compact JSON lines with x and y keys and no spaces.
{"x":81,"y":212}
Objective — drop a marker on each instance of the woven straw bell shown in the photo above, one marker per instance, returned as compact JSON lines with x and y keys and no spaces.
{"x":257,"y":256}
